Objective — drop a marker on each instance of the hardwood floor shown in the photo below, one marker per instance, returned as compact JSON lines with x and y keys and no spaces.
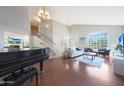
{"x":62,"y":72}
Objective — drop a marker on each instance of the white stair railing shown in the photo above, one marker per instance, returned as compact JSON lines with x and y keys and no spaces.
{"x":49,"y":44}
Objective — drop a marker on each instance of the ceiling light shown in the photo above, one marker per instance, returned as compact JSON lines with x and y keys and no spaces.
{"x":44,"y":14}
{"x":47,"y":26}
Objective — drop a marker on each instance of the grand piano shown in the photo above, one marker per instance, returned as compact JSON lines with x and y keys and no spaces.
{"x":14,"y":60}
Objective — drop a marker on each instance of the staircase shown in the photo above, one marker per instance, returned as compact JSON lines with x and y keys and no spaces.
{"x":44,"y":41}
{"x":48,"y":44}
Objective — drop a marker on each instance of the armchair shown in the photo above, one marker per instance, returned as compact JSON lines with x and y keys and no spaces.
{"x":104,"y":52}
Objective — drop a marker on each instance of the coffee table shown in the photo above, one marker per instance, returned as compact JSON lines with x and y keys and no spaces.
{"x":86,"y":54}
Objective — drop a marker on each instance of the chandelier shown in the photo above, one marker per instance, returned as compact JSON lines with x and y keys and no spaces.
{"x":44,"y":14}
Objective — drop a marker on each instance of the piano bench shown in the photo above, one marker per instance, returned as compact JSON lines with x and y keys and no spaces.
{"x":20,"y":77}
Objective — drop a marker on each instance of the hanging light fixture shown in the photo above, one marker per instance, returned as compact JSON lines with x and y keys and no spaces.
{"x":44,"y":14}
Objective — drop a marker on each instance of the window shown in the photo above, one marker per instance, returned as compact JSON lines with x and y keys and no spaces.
{"x":98,"y":40}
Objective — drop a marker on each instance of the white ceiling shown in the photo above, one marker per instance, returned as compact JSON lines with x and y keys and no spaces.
{"x":83,"y":15}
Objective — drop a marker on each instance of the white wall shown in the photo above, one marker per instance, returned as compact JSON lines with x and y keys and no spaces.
{"x":83,"y":30}
{"x":60,"y":36}
{"x":15,"y":17}
{"x":46,"y":29}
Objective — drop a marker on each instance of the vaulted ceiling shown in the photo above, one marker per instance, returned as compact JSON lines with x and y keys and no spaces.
{"x":83,"y":15}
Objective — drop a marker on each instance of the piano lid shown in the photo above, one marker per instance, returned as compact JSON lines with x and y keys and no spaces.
{"x":18,"y":54}
{"x":5,"y":50}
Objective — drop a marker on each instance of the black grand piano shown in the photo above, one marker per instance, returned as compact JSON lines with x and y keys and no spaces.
{"x":14,"y":60}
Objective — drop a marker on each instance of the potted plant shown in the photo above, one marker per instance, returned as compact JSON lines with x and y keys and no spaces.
{"x":120,"y":46}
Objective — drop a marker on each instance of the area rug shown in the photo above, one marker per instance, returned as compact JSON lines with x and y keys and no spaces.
{"x":95,"y":63}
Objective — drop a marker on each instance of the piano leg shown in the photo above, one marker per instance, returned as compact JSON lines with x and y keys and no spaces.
{"x":37,"y":79}
{"x":41,"y":67}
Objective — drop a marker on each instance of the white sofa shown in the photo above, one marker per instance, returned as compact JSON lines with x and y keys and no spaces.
{"x":74,"y":51}
{"x":118,"y":64}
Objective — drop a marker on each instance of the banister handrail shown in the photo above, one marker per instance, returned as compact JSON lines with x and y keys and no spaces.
{"x":52,"y":46}
{"x":46,"y":38}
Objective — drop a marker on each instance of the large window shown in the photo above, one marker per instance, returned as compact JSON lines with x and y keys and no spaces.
{"x":98,"y":40}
